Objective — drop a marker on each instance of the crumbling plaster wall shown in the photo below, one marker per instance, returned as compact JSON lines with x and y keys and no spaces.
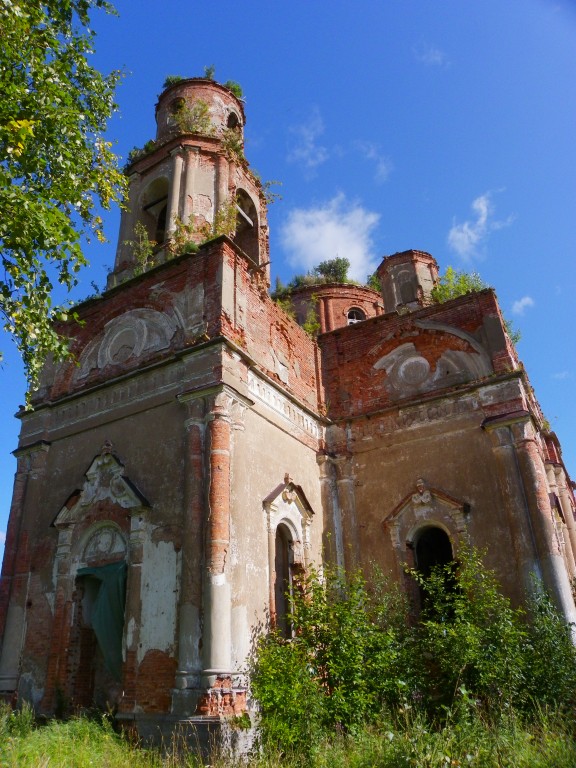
{"x":155,"y":466}
{"x":267,"y":448}
{"x":445,"y":446}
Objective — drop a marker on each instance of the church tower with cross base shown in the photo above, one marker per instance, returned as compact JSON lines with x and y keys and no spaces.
{"x":203,"y":450}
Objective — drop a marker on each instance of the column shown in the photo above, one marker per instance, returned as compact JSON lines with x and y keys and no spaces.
{"x":322,"y":314}
{"x":191,"y":160}
{"x":533,"y":473}
{"x":16,"y":566}
{"x":561,"y":527}
{"x":510,"y":484}
{"x":189,"y":661}
{"x":218,"y":605}
{"x":566,"y":505}
{"x":222,"y":173}
{"x":347,"y":502}
{"x":330,"y":502}
{"x":174,"y":196}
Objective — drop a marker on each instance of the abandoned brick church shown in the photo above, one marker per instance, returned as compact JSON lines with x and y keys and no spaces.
{"x":204,"y":448}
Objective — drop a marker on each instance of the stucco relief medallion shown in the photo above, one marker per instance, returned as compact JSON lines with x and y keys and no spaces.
{"x":408,"y":372}
{"x":104,"y":543}
{"x":135,"y":333}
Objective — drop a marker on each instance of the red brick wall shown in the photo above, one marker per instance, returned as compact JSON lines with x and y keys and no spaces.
{"x":354,"y":386}
{"x":264,"y":327}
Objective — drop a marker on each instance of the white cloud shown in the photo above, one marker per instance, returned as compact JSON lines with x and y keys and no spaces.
{"x":430,"y":55}
{"x":562,"y":375}
{"x":307,"y":152}
{"x":382,"y":164}
{"x":521,"y":305}
{"x":2,"y":537}
{"x":339,"y":228}
{"x":465,"y":238}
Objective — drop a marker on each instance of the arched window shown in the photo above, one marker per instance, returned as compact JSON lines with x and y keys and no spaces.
{"x":160,"y":234}
{"x":233,"y":121}
{"x":355,"y":315}
{"x":283,"y":562}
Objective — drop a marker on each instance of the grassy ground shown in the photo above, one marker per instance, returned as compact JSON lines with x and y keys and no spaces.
{"x":409,"y":742}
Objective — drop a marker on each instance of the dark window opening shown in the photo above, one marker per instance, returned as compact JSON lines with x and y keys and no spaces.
{"x":177,"y":105}
{"x":433,"y":548}
{"x":154,"y":211}
{"x":355,"y":315}
{"x":233,"y":121}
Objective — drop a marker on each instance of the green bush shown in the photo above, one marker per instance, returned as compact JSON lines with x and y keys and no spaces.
{"x":358,"y":652}
{"x":346,"y":653}
{"x":550,"y":655}
{"x":469,"y":638}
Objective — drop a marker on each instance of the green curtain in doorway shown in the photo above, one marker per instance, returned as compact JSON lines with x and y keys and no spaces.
{"x":108,"y":613}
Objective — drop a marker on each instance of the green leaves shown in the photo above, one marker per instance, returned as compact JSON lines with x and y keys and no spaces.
{"x":55,"y":167}
{"x":454,"y":283}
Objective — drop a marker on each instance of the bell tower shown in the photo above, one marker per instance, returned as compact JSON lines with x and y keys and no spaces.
{"x":191,"y":183}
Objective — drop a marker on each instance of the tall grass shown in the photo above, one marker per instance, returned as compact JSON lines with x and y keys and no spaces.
{"x":78,"y":743}
{"x":402,"y":740}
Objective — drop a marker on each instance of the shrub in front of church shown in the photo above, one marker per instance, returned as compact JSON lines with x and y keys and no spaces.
{"x":358,"y":656}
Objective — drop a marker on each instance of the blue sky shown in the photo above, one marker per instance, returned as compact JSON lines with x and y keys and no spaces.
{"x":446,"y":126}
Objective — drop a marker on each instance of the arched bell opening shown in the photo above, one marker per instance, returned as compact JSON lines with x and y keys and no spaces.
{"x":154,"y":211}
{"x":247,"y":226}
{"x":355,"y":315}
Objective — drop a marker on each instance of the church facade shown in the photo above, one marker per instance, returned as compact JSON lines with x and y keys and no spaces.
{"x":203,"y":449}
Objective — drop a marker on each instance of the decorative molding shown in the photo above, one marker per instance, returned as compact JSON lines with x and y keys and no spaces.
{"x":104,"y":543}
{"x":426,"y":506}
{"x":105,"y":481}
{"x":282,"y":405}
{"x":287,"y":504}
